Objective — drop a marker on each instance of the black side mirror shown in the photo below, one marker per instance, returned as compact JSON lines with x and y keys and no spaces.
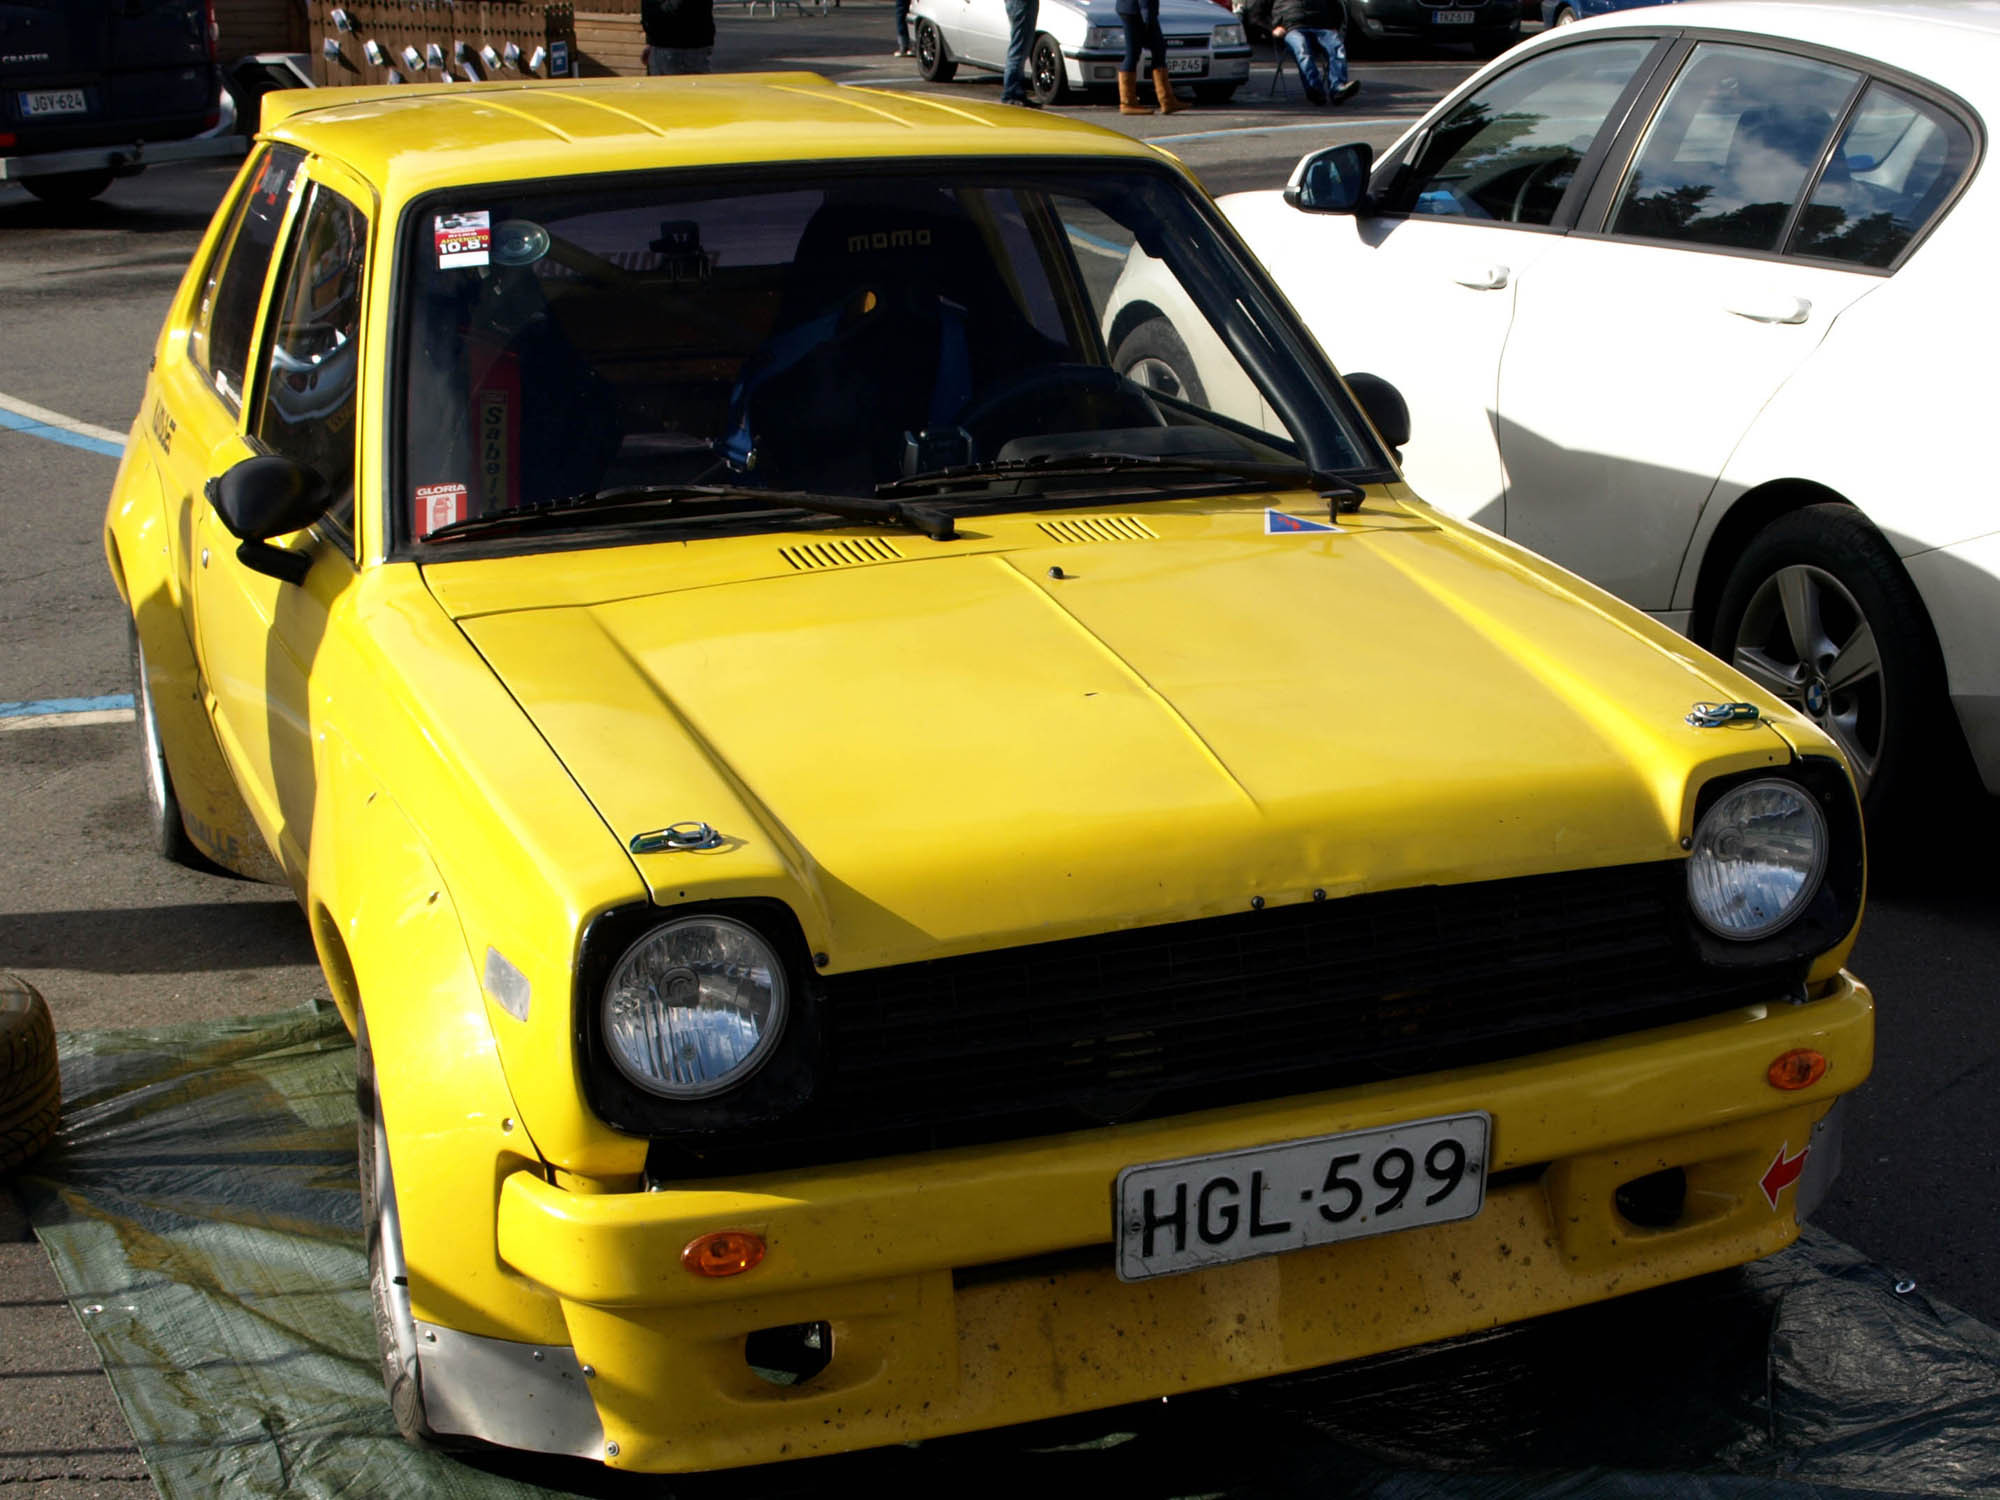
{"x":268,"y":496}
{"x":1385,"y":406}
{"x":1333,"y":181}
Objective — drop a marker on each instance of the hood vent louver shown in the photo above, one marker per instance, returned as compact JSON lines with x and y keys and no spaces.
{"x":848,"y":552}
{"x":1098,"y":529}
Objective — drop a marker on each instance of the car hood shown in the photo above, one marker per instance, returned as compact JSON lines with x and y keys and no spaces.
{"x":926,"y":748}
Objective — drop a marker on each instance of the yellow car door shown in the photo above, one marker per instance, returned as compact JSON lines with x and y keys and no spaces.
{"x":260,"y":632}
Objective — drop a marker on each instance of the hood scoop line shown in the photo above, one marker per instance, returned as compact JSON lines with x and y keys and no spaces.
{"x":846,"y":552}
{"x":1097,"y":529}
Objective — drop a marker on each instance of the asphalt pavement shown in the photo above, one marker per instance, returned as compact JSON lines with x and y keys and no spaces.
{"x":115,"y":937}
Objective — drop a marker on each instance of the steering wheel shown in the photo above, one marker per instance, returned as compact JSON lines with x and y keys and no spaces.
{"x":1534,"y":175}
{"x":1056,"y":398}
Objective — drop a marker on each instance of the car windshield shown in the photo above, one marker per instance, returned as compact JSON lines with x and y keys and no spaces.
{"x":834,"y":333}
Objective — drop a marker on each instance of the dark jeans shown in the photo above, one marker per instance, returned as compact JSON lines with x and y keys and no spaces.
{"x":1142,"y":29}
{"x":1302,"y":40}
{"x":903,"y":24}
{"x":1021,"y":18}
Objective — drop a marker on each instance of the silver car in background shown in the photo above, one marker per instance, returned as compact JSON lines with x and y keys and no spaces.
{"x":1080,"y":43}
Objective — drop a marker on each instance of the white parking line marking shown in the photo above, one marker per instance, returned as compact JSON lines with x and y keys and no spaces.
{"x":68,"y":721}
{"x":39,"y":421}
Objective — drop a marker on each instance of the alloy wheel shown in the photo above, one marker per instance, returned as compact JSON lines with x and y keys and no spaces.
{"x":1804,"y":638}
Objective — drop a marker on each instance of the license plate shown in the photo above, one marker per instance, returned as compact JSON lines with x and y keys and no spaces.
{"x":1212,"y":1210}
{"x":1185,"y":65}
{"x":54,"y":102}
{"x":1452,"y":17}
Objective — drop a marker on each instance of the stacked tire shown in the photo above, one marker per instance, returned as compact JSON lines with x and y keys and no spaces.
{"x":30,"y":1090}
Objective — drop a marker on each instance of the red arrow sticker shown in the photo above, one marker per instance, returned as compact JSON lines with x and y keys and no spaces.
{"x":1783,"y":1172}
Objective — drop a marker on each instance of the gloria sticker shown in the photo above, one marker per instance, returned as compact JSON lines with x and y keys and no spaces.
{"x":464,"y":239}
{"x":438,"y":505}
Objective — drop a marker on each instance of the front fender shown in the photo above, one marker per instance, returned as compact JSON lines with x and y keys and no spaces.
{"x":390,"y":940}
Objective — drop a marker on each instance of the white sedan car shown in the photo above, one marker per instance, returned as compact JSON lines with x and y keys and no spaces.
{"x":1696,"y":301}
{"x":1080,"y":43}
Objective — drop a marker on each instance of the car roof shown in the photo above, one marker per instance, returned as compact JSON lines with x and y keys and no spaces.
{"x":1955,"y":43}
{"x":408,"y":139}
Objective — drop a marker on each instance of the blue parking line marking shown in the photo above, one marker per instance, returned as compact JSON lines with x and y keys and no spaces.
{"x":65,"y":706}
{"x":14,"y":422}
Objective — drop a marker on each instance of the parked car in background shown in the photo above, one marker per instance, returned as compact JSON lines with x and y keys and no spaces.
{"x":1679,"y":298}
{"x":1569,"y":12}
{"x":1080,"y":45}
{"x":92,"y":90}
{"x":888,"y":879}
{"x":1490,"y":26}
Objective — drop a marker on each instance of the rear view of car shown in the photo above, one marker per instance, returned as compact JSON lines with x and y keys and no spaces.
{"x":82,"y":74}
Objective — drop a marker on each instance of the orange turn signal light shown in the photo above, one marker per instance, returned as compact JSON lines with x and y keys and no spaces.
{"x":725,"y":1252}
{"x":1799,"y":1069}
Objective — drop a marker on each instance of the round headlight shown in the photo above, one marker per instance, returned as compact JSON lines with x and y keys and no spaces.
{"x":694,"y":1007}
{"x":1759,"y":854}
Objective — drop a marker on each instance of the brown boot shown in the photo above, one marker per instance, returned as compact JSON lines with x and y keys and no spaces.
{"x":1164,"y":87}
{"x":1128,"y":96}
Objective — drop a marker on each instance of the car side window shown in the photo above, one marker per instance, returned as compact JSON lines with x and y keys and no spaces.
{"x":1729,"y":154}
{"x":1508,"y":153}
{"x":233,"y":286}
{"x":306,"y":408}
{"x":1897,"y":163}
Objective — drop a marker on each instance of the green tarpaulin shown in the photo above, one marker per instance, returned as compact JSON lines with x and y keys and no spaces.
{"x":201,"y":1209}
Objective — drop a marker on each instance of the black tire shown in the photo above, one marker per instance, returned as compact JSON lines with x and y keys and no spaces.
{"x":1048,"y":80}
{"x":388,"y":1278}
{"x":1565,"y":16}
{"x":933,"y":63}
{"x":163,"y":807}
{"x":66,"y":188}
{"x":1215,"y":93}
{"x":1819,"y":611}
{"x":1154,"y":355}
{"x":30,"y":1087}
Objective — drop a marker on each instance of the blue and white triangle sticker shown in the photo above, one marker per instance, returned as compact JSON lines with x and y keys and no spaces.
{"x":1276,"y":521}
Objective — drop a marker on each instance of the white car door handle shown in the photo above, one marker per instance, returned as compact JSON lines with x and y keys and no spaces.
{"x":1777,"y":310}
{"x":1489,"y":279}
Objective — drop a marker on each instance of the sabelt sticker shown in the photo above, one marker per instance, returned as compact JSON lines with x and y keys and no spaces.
{"x":438,"y":505}
{"x":464,"y":239}
{"x":1277,"y":523}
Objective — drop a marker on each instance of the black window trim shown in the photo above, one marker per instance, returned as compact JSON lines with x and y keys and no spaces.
{"x":1593,"y":223}
{"x":396,"y":546}
{"x":246,"y":185}
{"x":340,"y":535}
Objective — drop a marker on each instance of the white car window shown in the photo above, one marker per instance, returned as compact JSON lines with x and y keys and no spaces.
{"x":1507,"y":154}
{"x":1898,"y":161}
{"x":1729,"y":154}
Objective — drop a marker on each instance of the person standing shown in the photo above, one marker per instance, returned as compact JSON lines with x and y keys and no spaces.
{"x":902,"y":47}
{"x":1142,"y":30}
{"x":680,"y":35}
{"x":1021,"y":18}
{"x":1307,"y":27}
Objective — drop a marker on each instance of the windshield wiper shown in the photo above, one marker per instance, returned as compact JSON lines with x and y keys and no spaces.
{"x":609,"y":506}
{"x":1346,"y":494}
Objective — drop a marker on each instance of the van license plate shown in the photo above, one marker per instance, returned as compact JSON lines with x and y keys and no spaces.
{"x":41,"y":102}
{"x":1211,"y":1210}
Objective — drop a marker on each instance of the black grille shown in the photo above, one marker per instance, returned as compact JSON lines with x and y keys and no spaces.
{"x":1162,"y":1020}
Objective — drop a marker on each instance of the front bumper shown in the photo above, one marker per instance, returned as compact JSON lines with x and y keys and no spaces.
{"x":973,"y":1288}
{"x":125,"y":159}
{"x":1096,"y":69}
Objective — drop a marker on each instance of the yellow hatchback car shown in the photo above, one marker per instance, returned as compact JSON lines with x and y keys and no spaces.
{"x":890,"y":878}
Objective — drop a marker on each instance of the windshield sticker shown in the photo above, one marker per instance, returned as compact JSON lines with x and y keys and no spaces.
{"x":438,"y":505}
{"x":1276,"y":522}
{"x":464,"y":239}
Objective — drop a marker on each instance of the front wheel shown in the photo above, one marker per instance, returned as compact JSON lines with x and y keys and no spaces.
{"x":1565,"y":16}
{"x":163,"y":807}
{"x":932,"y":63}
{"x":1819,"y":611}
{"x":388,"y":1275}
{"x":1048,"y":81}
{"x":1156,"y":357}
